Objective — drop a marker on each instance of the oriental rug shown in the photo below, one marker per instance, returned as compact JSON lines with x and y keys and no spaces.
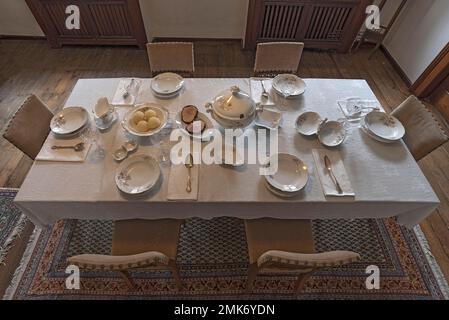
{"x":213,"y":261}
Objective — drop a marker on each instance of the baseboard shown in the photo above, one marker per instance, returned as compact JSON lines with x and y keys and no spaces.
{"x":396,"y":66}
{"x":189,"y":39}
{"x":17,"y":37}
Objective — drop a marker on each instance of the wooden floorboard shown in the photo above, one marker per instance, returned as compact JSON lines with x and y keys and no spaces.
{"x":30,"y":66}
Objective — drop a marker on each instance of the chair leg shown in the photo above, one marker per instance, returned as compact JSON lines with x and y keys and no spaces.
{"x":302,"y":279}
{"x":252,"y":274}
{"x":175,"y":272}
{"x":129,"y":281}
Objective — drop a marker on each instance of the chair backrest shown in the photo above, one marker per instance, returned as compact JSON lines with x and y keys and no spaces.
{"x":278,"y":57}
{"x":171,"y":56}
{"x":423,"y":131}
{"x":29,"y":127}
{"x":298,"y":261}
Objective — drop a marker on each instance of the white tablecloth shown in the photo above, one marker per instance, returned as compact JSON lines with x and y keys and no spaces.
{"x":386,"y":179}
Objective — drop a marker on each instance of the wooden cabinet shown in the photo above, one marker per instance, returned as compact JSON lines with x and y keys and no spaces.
{"x":324,"y":24}
{"x":115,"y":22}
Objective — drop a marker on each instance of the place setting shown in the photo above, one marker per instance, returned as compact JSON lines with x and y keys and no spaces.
{"x":290,"y":178}
{"x":66,"y":141}
{"x":382,"y":127}
{"x":167,"y":85}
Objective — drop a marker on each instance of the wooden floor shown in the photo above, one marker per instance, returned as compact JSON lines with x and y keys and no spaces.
{"x":29,"y":66}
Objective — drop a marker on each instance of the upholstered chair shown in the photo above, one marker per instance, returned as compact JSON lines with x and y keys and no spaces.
{"x":29,"y":127}
{"x":287,"y":246}
{"x":423,"y":132}
{"x":171,"y":57}
{"x":273,"y":58}
{"x":138,"y":244}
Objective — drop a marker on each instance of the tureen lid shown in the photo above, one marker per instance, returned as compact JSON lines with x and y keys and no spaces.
{"x":234,"y":104}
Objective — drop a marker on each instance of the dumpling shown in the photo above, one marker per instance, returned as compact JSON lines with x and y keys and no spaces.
{"x":154,"y":123}
{"x":138,"y":116}
{"x":149,"y":114}
{"x":142,"y":126}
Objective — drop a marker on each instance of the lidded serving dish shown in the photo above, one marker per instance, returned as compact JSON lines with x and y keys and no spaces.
{"x":233,"y":108}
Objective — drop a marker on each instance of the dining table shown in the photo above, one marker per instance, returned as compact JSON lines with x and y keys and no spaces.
{"x":386,"y":179}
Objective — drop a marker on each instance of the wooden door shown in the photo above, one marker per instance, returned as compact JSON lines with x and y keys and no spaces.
{"x":325,"y":24}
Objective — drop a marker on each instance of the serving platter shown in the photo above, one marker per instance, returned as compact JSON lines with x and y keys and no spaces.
{"x":384,"y":126}
{"x":289,"y":85}
{"x":207,"y":132}
{"x":130,"y":126}
{"x":292,"y":174}
{"x":69,"y":121}
{"x":137,"y":174}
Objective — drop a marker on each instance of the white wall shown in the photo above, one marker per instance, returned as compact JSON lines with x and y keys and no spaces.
{"x":195,"y":18}
{"x":419,"y":35}
{"x":17,"y":19}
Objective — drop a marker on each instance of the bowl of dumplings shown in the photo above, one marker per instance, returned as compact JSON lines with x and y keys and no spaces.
{"x":145,"y":119}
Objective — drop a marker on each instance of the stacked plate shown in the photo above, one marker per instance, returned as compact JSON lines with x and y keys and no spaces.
{"x":289,"y":85}
{"x":167,"y":85}
{"x":69,"y":122}
{"x":137,"y":174}
{"x":382,"y":127}
{"x":290,"y":177}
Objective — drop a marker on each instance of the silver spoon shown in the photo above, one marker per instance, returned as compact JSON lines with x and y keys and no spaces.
{"x":189,"y":166}
{"x":78,"y":147}
{"x":328,"y":164}
{"x":264,"y":93}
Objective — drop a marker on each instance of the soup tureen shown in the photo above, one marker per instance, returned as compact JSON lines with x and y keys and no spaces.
{"x":233,"y":109}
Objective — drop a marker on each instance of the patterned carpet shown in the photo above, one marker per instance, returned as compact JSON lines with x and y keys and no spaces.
{"x":12,"y":221}
{"x":213,"y":261}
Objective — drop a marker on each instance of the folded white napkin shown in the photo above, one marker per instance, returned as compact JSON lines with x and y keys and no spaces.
{"x":328,"y":184}
{"x":256,"y":91}
{"x":368,"y":106}
{"x":133,"y":91}
{"x":177,"y":183}
{"x":66,"y":155}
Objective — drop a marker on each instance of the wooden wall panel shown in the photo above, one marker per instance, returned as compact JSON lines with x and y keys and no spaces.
{"x":326,"y":24}
{"x":102,"y":22}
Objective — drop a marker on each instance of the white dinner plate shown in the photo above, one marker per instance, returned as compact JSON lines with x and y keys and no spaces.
{"x":69,"y":120}
{"x":289,"y":85}
{"x":372,"y":135}
{"x":167,"y":83}
{"x":137,"y":174}
{"x":280,"y":193}
{"x":384,"y":126}
{"x":308,"y":123}
{"x":292,"y":174}
{"x":205,"y":135}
